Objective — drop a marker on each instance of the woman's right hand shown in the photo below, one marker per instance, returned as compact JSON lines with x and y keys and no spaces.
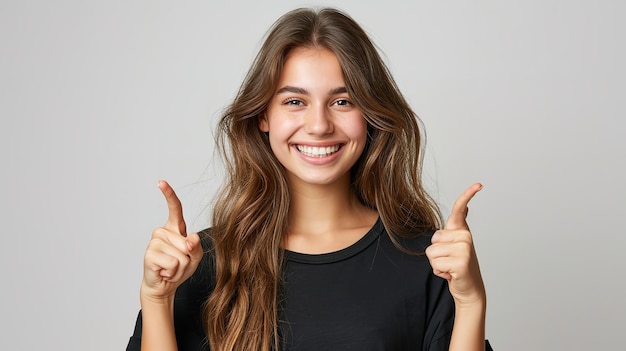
{"x":172,"y":256}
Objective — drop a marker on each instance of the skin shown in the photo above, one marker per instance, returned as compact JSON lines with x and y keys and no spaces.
{"x":171,"y":257}
{"x":311,"y":108}
{"x":453,"y":257}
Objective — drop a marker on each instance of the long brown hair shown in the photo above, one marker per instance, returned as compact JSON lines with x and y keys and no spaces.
{"x":250,"y":215}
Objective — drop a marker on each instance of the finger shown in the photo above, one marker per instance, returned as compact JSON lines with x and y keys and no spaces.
{"x":461,"y":250}
{"x":449,"y":267}
{"x":167,"y":260}
{"x":451,"y":236}
{"x":174,"y":249}
{"x":167,"y":266}
{"x":172,"y":238}
{"x":160,"y":263}
{"x":443,"y":275}
{"x":436,"y":265}
{"x":187,"y":250}
{"x":175,"y":220}
{"x":459,"y":209}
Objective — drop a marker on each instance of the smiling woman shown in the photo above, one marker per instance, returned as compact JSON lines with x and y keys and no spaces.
{"x":319,"y":234}
{"x":314,"y":129}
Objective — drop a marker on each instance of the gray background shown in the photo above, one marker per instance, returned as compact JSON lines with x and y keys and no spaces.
{"x":100,"y":99}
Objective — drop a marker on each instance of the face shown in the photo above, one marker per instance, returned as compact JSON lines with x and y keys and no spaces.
{"x":315,"y":130}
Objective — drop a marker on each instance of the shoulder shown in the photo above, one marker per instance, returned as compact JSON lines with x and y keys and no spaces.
{"x":438,"y":303}
{"x":408,"y":254}
{"x":206,"y":239}
{"x":412,"y":242}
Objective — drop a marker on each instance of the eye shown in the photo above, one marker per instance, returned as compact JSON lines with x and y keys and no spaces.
{"x":293,"y":102}
{"x":343,"y":102}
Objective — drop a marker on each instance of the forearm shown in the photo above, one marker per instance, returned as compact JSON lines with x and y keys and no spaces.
{"x":157,"y":333}
{"x":468,"y":333}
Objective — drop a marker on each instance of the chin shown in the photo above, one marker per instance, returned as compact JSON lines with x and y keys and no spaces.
{"x":319,"y":179}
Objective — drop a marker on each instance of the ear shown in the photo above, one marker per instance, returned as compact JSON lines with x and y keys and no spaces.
{"x":264,"y":125}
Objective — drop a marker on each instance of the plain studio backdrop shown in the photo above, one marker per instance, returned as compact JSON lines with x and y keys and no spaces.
{"x":100,"y":99}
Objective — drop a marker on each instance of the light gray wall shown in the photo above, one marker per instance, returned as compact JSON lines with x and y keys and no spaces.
{"x":100,"y":99}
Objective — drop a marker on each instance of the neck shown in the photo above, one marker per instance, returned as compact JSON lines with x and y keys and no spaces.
{"x":326,"y":208}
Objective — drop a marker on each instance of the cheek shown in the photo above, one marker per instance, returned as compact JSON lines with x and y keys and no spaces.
{"x":280,"y":133}
{"x":359,"y":130}
{"x":282,"y":127}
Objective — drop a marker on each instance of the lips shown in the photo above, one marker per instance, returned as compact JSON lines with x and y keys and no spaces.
{"x":318,"y":151}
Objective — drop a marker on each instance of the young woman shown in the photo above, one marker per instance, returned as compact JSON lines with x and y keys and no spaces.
{"x":323,"y":237}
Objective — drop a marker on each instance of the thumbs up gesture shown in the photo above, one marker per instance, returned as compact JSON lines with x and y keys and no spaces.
{"x":452,"y":255}
{"x":172,"y":256}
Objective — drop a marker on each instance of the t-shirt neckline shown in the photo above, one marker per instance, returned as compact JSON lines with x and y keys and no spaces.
{"x":342,"y":254}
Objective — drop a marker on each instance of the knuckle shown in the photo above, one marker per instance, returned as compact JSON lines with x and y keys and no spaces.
{"x":172,"y":263}
{"x":159,"y":232}
{"x":155,"y":244}
{"x":463,"y":236}
{"x":149,"y":257}
{"x":466,"y":244}
{"x":464,"y":248}
{"x":184,"y":262}
{"x":467,"y":235}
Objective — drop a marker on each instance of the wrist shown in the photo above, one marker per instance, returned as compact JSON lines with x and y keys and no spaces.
{"x":468,"y":332}
{"x":476,"y":304}
{"x":471,"y":300}
{"x":146,"y":297}
{"x":158,"y":331}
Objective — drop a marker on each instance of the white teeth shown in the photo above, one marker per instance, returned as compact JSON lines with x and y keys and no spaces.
{"x":315,"y":151}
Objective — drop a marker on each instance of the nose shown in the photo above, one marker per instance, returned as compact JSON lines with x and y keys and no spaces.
{"x":317,"y":121}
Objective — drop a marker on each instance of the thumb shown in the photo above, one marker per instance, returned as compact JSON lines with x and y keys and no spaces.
{"x":459,"y":209}
{"x":195,"y":248}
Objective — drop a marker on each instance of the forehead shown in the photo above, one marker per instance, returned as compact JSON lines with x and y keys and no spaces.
{"x":311,"y":65}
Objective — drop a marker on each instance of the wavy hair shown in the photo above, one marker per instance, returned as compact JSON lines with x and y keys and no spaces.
{"x":250,"y":215}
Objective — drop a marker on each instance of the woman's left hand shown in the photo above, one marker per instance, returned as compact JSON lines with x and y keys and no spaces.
{"x":452,"y":255}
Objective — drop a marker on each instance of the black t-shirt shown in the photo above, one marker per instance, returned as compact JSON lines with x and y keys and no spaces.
{"x":369,"y":296}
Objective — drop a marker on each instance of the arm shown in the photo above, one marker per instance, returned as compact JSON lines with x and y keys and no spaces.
{"x":468,"y":332}
{"x":171,"y":257}
{"x":453,"y":258}
{"x":157,"y":333}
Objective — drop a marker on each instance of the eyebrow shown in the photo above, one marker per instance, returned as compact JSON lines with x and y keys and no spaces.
{"x":302,"y":91}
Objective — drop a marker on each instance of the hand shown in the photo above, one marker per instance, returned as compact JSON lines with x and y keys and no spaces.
{"x":172,"y":256}
{"x":453,"y":257}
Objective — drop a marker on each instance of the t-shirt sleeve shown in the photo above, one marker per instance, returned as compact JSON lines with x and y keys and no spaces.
{"x":441,"y":321}
{"x":440,"y":316}
{"x":134,"y":344}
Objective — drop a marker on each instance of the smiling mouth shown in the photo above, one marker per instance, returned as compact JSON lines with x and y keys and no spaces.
{"x":318,"y":151}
